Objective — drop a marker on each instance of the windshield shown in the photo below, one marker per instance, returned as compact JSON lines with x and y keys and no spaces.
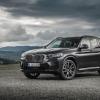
{"x":64,"y":43}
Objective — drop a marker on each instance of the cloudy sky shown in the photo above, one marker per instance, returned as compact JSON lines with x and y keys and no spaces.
{"x":33,"y":22}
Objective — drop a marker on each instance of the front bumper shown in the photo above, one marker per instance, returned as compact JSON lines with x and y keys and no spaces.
{"x":50,"y":66}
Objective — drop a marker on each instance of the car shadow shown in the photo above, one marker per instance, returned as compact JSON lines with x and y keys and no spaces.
{"x":82,"y":75}
{"x":48,"y":77}
{"x":87,"y":74}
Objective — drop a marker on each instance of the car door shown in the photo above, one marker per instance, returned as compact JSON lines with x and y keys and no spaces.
{"x":85,"y":55}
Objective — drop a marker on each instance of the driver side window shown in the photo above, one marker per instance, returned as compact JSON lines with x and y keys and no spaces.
{"x":86,"y":41}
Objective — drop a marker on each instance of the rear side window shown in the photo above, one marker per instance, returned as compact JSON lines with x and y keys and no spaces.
{"x":94,"y":43}
{"x":86,"y":41}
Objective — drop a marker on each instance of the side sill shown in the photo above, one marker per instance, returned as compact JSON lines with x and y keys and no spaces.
{"x":89,"y":68}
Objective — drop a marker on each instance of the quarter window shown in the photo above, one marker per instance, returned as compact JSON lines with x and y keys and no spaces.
{"x":86,"y":41}
{"x":98,"y":43}
{"x":94,"y":43}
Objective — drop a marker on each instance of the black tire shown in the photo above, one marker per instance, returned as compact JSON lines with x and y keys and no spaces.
{"x":68,"y":70}
{"x":31,"y":75}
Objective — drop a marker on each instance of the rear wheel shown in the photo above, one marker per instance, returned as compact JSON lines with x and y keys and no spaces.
{"x":31,"y":75}
{"x":68,"y":69}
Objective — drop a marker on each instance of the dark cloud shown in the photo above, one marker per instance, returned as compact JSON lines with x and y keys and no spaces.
{"x":13,"y":33}
{"x":51,"y":34}
{"x":84,"y":15}
{"x":87,"y":9}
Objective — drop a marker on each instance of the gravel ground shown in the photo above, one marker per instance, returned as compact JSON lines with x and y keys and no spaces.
{"x":15,"y":86}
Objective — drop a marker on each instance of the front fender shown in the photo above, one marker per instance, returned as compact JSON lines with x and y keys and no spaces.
{"x":71,"y":57}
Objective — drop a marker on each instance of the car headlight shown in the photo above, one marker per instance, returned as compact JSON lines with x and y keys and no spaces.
{"x":22,"y":57}
{"x":56,"y":55}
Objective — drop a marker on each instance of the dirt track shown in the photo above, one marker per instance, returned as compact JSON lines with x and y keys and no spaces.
{"x":14,"y":86}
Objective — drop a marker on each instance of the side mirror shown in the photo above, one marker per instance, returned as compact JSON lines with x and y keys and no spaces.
{"x":83,"y":46}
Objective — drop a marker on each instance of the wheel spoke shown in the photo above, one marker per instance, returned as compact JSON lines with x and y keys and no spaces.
{"x":71,"y":72}
{"x":66,"y":65}
{"x":71,"y":66}
{"x":68,"y":74}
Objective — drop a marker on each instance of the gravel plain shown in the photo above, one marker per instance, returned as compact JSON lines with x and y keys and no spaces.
{"x":15,"y":86}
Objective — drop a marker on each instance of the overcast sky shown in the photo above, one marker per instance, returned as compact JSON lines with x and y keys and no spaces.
{"x":33,"y":22}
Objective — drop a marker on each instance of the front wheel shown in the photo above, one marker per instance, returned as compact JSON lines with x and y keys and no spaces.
{"x":31,"y":75}
{"x":68,"y":69}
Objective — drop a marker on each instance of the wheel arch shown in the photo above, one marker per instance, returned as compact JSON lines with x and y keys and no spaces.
{"x":73,"y":58}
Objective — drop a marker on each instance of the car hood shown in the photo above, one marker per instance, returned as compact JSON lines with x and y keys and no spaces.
{"x":45,"y":51}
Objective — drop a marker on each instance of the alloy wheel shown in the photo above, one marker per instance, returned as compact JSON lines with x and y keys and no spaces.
{"x":68,"y":69}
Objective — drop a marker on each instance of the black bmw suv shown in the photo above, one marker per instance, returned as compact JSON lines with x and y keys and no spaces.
{"x":64,"y":57}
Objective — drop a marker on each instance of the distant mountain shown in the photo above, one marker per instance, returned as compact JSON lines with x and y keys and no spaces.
{"x":12,"y":54}
{"x":19,"y":48}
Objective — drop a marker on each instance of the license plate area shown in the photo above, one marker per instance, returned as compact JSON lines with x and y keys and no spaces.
{"x":33,"y":64}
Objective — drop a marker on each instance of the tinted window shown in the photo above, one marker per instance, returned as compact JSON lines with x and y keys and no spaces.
{"x":98,"y":43}
{"x":86,"y":41}
{"x":70,"y":43}
{"x":64,"y":43}
{"x":55,"y":44}
{"x":94,"y":43}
